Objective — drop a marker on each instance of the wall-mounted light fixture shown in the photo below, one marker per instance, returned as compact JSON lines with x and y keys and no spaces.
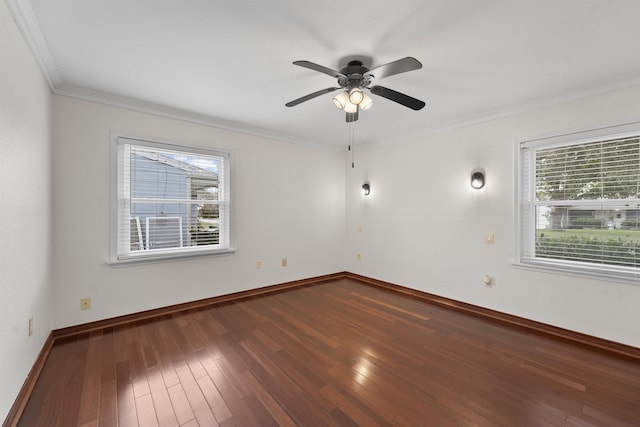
{"x":366,"y":189}
{"x":477,"y":179}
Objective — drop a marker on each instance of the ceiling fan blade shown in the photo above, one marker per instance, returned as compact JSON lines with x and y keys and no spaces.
{"x":400,"y":98}
{"x":320,"y":68}
{"x":310,"y":96}
{"x":396,"y":67}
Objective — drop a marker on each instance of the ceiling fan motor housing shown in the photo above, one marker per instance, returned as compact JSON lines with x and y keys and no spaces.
{"x":355,"y":76}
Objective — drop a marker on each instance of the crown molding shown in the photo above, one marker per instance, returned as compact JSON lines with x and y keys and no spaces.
{"x":568,"y":95}
{"x":27,"y":23}
{"x":141,"y":106}
{"x":572,"y":94}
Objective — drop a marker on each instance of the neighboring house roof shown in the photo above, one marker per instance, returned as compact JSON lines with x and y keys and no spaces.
{"x":190,"y":169}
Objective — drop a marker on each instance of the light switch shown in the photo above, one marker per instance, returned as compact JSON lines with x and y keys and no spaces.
{"x":488,"y":238}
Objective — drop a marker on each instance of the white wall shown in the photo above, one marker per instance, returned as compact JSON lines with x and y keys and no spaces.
{"x":288,"y":202}
{"x":25,"y":274}
{"x":424,"y":227}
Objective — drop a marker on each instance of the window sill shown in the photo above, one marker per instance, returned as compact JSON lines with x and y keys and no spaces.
{"x":167,"y":257}
{"x":593,"y":273}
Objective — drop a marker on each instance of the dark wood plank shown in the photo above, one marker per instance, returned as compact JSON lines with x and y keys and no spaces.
{"x":125,"y":395}
{"x":335,"y":353}
{"x":180,"y":404}
{"x":161,"y":400}
{"x":146,"y":412}
{"x":108,"y":415}
{"x":278,"y":414}
{"x":219,"y":408}
{"x":194,"y":395}
{"x":90,"y":396}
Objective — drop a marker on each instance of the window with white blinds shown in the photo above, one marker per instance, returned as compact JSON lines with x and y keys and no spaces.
{"x":171,"y":201}
{"x":579,"y":201}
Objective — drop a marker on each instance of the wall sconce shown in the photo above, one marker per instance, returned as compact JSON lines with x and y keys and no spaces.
{"x":477,"y":179}
{"x":366,"y":189}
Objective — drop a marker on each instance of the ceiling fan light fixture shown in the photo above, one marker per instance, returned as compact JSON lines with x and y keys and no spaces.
{"x":366,"y":103}
{"x":341,"y":100}
{"x":350,"y":108}
{"x":356,"y":95}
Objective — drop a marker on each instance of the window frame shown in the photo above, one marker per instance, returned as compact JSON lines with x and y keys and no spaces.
{"x":525,"y":229}
{"x":226,"y":245}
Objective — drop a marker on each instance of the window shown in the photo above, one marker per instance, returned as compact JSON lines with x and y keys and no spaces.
{"x":579,"y":201}
{"x":170,"y":201}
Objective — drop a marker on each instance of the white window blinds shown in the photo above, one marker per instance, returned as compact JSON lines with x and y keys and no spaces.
{"x":171,"y":200}
{"x":580,"y":201}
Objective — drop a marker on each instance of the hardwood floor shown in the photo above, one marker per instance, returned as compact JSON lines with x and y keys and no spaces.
{"x":338,"y":353}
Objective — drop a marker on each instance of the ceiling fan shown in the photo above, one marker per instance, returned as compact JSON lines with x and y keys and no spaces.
{"x":354,"y":78}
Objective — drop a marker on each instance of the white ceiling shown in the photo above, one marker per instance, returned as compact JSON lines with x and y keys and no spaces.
{"x":228,"y":62}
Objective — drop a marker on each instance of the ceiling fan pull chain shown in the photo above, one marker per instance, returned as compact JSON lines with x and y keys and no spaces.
{"x":352,"y":144}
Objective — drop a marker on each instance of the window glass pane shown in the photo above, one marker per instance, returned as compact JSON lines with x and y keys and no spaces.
{"x":579,"y":201}
{"x":595,"y":235}
{"x":172,"y":200}
{"x":202,"y":188}
{"x":601,"y":170}
{"x":175,"y":225}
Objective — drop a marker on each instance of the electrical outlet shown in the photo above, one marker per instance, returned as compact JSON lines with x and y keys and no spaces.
{"x":258,"y":265}
{"x":284,"y":262}
{"x":85,"y":303}
{"x":30,"y":326}
{"x":488,"y":280}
